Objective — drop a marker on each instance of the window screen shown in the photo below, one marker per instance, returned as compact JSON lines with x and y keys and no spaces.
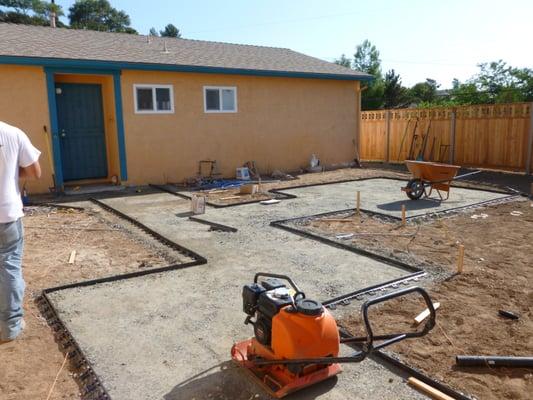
{"x":212,"y":99}
{"x":162,"y":96}
{"x":145,"y":102}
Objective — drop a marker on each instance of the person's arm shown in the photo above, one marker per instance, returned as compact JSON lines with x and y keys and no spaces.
{"x":32,"y":171}
{"x":29,"y":167}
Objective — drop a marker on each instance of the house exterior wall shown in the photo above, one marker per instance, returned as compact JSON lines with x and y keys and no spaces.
{"x":24,"y":104}
{"x":280,"y":122}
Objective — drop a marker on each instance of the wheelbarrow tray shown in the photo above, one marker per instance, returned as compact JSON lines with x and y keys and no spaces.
{"x":436,"y":175}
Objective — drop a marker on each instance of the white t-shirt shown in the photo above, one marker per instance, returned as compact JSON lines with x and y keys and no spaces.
{"x":16,"y":151}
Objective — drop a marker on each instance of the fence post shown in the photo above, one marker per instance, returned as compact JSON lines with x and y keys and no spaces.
{"x":452,"y":138}
{"x":530,"y":140}
{"x":387,"y":133}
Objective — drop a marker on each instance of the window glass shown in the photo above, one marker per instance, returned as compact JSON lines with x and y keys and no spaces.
{"x":145,"y":102}
{"x":162,"y":97}
{"x":212,"y":100}
{"x":228,"y":99}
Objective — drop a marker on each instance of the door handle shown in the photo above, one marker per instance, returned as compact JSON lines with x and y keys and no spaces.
{"x":63,"y":133}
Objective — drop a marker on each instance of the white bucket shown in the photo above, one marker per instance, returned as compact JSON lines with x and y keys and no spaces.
{"x":198,"y":204}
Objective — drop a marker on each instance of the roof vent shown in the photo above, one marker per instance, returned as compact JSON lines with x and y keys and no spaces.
{"x":165,"y":50}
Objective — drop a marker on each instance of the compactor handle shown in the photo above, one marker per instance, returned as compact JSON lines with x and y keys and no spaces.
{"x":284,"y":277}
{"x":393,"y":338}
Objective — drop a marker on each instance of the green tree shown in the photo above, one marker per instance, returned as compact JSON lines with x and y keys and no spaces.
{"x":424,"y":92}
{"x":366,"y":59}
{"x":496,"y":82}
{"x":394,"y":94}
{"x":99,"y":15}
{"x":153,"y":32}
{"x":343,"y":61}
{"x":29,"y":12}
{"x":170,"y":31}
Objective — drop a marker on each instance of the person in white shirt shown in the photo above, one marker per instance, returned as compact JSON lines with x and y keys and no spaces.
{"x":18,"y":159}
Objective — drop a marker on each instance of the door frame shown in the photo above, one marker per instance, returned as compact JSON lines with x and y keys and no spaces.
{"x":52,"y":107}
{"x":103,"y":151}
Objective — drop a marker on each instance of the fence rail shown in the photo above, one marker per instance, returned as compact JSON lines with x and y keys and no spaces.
{"x":498,"y":136}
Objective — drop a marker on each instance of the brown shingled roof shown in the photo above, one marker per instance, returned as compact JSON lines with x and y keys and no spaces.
{"x":62,"y":43}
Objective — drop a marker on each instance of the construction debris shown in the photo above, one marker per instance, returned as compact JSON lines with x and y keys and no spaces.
{"x":424,"y":314}
{"x":271,"y":201}
{"x":277,"y":174}
{"x":72,"y":257}
{"x":249,"y":188}
{"x":508,"y":314}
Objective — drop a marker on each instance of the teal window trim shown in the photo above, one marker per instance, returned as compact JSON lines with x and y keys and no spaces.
{"x":52,"y":109}
{"x":65,"y":63}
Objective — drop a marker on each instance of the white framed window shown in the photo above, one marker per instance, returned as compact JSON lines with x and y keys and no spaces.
{"x":220,"y":99}
{"x":153,"y":99}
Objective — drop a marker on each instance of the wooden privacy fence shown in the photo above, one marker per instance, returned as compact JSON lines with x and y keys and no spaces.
{"x":496,"y":136}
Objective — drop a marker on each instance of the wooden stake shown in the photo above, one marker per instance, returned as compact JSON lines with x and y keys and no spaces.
{"x":429,"y":390}
{"x":403,"y":215}
{"x":358,"y":202}
{"x":460,"y":259}
{"x":72,"y":257}
{"x":424,"y":314}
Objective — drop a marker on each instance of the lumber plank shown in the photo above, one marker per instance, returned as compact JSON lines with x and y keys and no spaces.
{"x":424,"y":314}
{"x":72,"y":257}
{"x":429,"y":390}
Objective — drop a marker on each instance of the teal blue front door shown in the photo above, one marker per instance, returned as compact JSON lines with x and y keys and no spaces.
{"x":81,"y":131}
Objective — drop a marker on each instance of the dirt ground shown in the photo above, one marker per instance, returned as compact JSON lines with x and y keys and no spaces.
{"x":498,"y":271}
{"x":29,"y":365}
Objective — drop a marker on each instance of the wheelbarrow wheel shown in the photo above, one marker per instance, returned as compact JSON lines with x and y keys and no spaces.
{"x":416,"y":189}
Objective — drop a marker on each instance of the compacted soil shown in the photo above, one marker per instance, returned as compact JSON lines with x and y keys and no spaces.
{"x":29,"y":365}
{"x":498,"y":275}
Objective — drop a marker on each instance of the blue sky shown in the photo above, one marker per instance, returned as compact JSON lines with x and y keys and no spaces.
{"x":419,"y":39}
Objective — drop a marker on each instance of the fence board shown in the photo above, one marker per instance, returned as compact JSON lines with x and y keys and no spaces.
{"x":486,"y":136}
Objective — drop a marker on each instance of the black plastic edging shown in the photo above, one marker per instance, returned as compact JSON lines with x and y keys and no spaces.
{"x":195,"y":256}
{"x":378,"y":257}
{"x":360,"y":292}
{"x":286,"y":196}
{"x":129,"y":275}
{"x":412,"y":371}
{"x":214,"y":225}
{"x":95,"y":385}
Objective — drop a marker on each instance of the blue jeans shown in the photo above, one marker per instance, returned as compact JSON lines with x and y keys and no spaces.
{"x":11,"y":281}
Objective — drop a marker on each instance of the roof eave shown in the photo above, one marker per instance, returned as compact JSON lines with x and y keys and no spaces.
{"x":120,"y":65}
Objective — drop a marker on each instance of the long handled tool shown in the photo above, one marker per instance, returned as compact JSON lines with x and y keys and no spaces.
{"x":296,"y":342}
{"x":422,"y":151}
{"x":410,"y":155}
{"x":403,"y":138}
{"x":49,"y":153}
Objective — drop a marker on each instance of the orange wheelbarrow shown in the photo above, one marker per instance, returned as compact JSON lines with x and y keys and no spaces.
{"x":430,"y":175}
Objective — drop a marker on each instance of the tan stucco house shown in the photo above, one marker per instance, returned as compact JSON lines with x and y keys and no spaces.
{"x":140,"y":109}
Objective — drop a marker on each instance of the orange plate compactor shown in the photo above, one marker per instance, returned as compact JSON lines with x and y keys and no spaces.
{"x":296,"y":340}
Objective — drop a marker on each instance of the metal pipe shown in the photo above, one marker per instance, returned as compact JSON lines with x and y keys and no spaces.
{"x":494,"y":361}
